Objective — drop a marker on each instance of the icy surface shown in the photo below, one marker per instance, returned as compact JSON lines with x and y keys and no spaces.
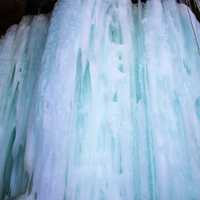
{"x":20,"y":62}
{"x":101,"y":103}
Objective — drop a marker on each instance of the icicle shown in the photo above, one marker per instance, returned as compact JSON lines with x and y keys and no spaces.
{"x":15,"y":97}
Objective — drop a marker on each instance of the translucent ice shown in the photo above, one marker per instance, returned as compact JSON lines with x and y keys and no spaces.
{"x":21,"y":51}
{"x":102,"y":103}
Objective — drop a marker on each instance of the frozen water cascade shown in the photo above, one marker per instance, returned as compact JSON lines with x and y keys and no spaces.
{"x":101,"y":103}
{"x":20,"y":55}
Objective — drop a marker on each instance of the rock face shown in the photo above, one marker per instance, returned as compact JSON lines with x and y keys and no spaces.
{"x":195,"y":7}
{"x":11,"y":12}
{"x":102,"y":102}
{"x":42,"y":6}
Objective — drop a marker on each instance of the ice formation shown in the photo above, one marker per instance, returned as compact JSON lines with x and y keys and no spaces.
{"x":101,"y":102}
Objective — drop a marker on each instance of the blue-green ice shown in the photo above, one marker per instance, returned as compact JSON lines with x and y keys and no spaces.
{"x":101,"y":101}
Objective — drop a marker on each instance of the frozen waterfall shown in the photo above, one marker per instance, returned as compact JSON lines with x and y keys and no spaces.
{"x":101,"y":101}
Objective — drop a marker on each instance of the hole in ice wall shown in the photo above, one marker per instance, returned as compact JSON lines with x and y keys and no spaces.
{"x":115,"y":31}
{"x":197,"y":106}
{"x":35,"y":196}
{"x":115,"y":97}
{"x":187,"y":68}
{"x":136,"y":1}
{"x":120,"y":66}
{"x":8,"y":166}
{"x":120,"y":56}
{"x":13,"y":74}
{"x":92,"y":33}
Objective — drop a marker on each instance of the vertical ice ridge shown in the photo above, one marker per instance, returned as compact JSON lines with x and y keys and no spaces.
{"x":15,"y":173}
